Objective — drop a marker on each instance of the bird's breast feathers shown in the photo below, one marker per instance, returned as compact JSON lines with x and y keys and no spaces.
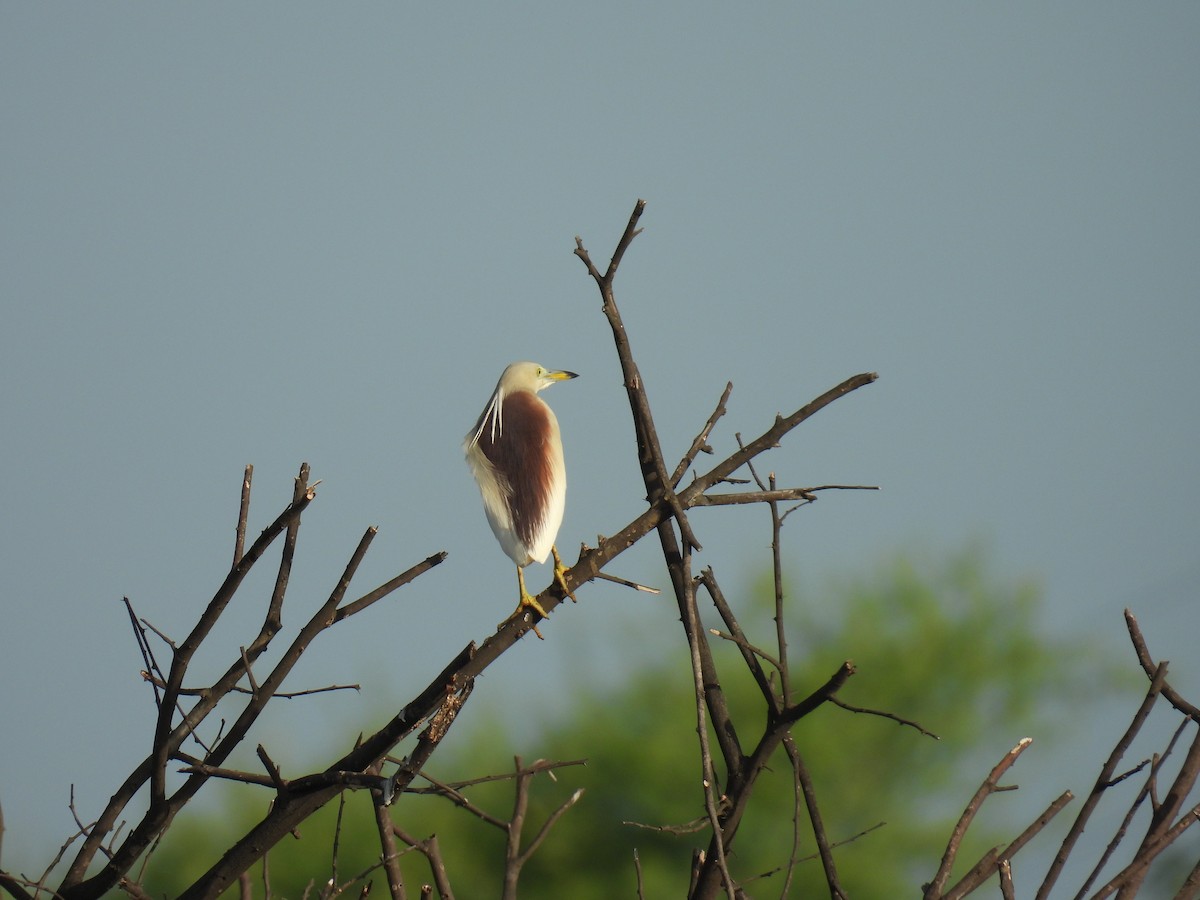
{"x":515,"y":453}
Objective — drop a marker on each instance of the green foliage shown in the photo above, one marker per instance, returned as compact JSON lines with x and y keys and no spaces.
{"x":947,"y":646}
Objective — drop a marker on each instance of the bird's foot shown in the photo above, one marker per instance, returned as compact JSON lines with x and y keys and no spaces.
{"x":560,"y":572}
{"x":528,"y":601}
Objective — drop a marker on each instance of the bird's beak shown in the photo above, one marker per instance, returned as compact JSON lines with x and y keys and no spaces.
{"x":561,"y":376}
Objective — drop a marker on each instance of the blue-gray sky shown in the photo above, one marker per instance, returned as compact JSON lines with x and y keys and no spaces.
{"x":265,"y":234}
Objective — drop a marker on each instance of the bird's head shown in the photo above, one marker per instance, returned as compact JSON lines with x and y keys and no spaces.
{"x":529,"y":376}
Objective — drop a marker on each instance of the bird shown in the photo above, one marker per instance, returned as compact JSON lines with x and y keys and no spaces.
{"x":515,"y":453}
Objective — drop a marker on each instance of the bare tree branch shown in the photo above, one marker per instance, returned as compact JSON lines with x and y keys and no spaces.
{"x":1138,"y":801}
{"x":389,"y":856}
{"x":899,"y":720}
{"x":700,"y":442}
{"x":1149,"y":667}
{"x":1102,"y":781}
{"x":775,"y":495}
{"x":990,"y":785}
{"x":1131,"y":877}
{"x":650,"y":456}
{"x":239,"y":542}
{"x":814,"y":816}
{"x":1163,"y":820}
{"x":432,"y":852}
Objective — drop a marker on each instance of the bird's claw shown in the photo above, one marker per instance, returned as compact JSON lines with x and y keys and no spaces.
{"x":560,"y":572}
{"x":528,"y":601}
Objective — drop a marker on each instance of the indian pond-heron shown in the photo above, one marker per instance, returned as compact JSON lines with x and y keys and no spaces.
{"x":515,"y":453}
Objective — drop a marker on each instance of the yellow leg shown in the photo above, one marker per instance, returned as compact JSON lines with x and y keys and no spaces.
{"x":528,"y":601}
{"x":560,"y":572}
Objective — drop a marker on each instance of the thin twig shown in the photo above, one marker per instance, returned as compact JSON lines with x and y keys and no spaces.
{"x":693,"y":827}
{"x":793,"y":860}
{"x":337,"y":839}
{"x":821,"y":695}
{"x":460,"y":800}
{"x":700,"y":442}
{"x":744,"y":644}
{"x":271,"y":767}
{"x":772,"y":436}
{"x":936,"y":887}
{"x":1036,"y":826}
{"x":899,"y":720}
{"x":624,"y":582}
{"x":541,"y":765}
{"x":196,"y":767}
{"x":433,"y":855}
{"x":775,"y":495}
{"x":238,"y":689}
{"x":159,"y":634}
{"x":785,"y":681}
{"x":148,"y":660}
{"x":557,"y":814}
{"x":239,"y":541}
{"x":750,"y":652}
{"x":1149,"y":666}
{"x":814,"y":816}
{"x":249,"y":671}
{"x":273,"y":620}
{"x":389,"y":586}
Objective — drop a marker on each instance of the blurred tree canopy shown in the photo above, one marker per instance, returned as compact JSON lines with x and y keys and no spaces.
{"x":945,"y":644}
